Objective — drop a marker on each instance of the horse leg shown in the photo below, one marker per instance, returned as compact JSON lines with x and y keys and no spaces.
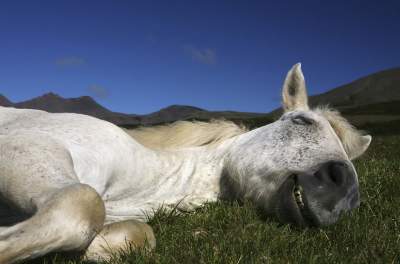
{"x":67,"y":220}
{"x":120,"y":236}
{"x":37,"y":178}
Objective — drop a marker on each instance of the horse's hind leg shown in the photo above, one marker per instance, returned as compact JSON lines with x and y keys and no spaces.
{"x":68,"y":220}
{"x":120,"y":236}
{"x":37,"y":177}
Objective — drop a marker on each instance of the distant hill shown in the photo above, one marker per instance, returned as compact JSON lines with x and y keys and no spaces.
{"x":4,"y":101}
{"x":171,"y":114}
{"x":379,"y":87}
{"x":374,"y":98}
{"x":82,"y":105}
{"x":86,"y":105}
{"x":182,"y":112}
{"x":369,"y":100}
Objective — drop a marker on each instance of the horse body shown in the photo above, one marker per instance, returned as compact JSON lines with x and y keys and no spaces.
{"x":132,"y":180}
{"x":78,"y":183}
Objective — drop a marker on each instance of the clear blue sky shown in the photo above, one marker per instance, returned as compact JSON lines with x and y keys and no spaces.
{"x":140,"y":56}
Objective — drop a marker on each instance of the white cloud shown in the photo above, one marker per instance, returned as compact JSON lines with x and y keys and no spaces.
{"x":206,"y":56}
{"x":98,"y":91}
{"x":70,"y":61}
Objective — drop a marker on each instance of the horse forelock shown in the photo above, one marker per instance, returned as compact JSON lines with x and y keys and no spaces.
{"x":183,"y":134}
{"x":347,"y":133}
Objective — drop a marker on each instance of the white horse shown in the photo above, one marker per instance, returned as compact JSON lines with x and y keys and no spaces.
{"x":71,"y":182}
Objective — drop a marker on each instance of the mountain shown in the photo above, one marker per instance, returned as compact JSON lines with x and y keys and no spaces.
{"x":374,"y":98}
{"x":86,"y":105}
{"x":171,"y":114}
{"x":4,"y":101}
{"x":182,"y":112}
{"x":379,"y":87}
{"x":82,"y":105}
{"x":376,"y":92}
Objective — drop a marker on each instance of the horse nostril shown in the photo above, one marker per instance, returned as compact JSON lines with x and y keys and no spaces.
{"x":337,"y":173}
{"x":333,"y":172}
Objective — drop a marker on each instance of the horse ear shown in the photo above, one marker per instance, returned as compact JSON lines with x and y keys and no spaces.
{"x":294,"y":94}
{"x":358,"y":147}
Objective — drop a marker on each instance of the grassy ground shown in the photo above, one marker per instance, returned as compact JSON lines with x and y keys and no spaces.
{"x":229,"y":233}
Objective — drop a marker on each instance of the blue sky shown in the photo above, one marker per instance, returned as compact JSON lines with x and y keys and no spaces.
{"x":140,"y":56}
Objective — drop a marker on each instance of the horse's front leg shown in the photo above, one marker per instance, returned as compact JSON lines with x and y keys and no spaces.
{"x":120,"y":236}
{"x":67,"y":220}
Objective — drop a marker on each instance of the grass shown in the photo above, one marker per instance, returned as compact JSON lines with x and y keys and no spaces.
{"x":229,"y":233}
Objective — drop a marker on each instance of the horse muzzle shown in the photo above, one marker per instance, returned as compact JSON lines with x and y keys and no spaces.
{"x":319,"y":198}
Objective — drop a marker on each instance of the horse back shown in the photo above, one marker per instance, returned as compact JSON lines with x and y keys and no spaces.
{"x":99,"y":151}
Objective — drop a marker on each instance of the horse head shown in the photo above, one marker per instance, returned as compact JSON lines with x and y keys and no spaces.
{"x":299,"y":168}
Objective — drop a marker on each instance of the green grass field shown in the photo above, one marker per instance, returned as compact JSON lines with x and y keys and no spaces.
{"x":230,"y":233}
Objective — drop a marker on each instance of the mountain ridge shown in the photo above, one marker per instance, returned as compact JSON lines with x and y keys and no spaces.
{"x":380,"y":90}
{"x":377,"y":87}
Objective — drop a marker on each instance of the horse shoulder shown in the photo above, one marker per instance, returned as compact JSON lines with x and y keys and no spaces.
{"x":102,"y":153}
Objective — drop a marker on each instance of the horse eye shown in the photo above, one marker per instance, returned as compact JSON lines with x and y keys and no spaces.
{"x":302,"y":120}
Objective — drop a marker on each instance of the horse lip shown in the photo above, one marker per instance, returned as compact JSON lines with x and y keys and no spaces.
{"x":308,"y":218}
{"x":289,"y":210}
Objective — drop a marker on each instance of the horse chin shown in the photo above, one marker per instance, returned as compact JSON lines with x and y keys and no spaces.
{"x":292,"y":205}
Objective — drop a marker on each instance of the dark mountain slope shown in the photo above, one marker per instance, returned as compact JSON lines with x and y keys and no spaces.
{"x":4,"y":101}
{"x":379,"y":87}
{"x":370,"y":97}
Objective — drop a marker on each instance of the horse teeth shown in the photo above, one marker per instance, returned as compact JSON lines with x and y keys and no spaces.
{"x":298,"y":197}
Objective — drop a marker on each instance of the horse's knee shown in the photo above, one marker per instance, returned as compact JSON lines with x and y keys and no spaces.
{"x":66,"y":219}
{"x":137,"y":233}
{"x":121,"y":236}
{"x":81,"y":211}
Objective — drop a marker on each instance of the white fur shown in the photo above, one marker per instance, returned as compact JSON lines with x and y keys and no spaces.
{"x":183,"y":134}
{"x":43,"y":155}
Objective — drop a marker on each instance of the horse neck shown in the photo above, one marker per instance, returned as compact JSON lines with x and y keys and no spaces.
{"x":196,"y":174}
{"x":183,"y":179}
{"x":201,"y":165}
{"x":193,"y":173}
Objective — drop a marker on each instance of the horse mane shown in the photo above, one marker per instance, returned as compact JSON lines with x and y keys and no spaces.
{"x":347,"y":133}
{"x":182,"y":134}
